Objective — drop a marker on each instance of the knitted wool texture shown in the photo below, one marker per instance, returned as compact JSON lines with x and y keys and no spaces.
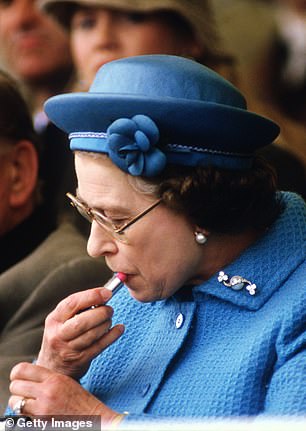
{"x":234,"y":355}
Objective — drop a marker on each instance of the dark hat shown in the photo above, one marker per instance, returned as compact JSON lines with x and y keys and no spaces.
{"x":147,"y":111}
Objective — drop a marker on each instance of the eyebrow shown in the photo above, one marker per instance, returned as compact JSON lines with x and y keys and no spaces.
{"x":120,"y":210}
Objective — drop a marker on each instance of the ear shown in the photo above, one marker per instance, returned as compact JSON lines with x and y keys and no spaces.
{"x":23,"y":173}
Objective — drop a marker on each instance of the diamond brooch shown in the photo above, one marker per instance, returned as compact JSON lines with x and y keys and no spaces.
{"x":237,"y":282}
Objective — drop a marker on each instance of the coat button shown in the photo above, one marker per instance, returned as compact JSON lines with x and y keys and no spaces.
{"x":179,"y":321}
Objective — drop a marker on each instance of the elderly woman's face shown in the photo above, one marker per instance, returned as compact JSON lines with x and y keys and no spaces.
{"x":161,"y":254}
{"x":100,"y":35}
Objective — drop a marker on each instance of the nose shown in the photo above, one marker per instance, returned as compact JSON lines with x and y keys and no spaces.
{"x":106,"y":29}
{"x":100,"y":242}
{"x":26,"y":13}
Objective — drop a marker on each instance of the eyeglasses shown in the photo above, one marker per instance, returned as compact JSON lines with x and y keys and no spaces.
{"x":116,"y":231}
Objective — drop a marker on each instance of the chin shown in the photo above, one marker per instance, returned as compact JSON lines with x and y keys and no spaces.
{"x":139,"y":296}
{"x":141,"y":290}
{"x":143,"y":295}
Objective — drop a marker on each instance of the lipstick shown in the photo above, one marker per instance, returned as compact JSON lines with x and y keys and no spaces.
{"x":114,"y":284}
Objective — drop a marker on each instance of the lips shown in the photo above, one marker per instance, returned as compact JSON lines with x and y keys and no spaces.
{"x":29,"y":42}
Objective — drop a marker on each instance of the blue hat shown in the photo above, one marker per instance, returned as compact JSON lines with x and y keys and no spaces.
{"x":148,"y":111}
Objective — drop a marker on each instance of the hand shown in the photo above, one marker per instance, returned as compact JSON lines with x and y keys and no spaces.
{"x":49,"y":393}
{"x":73,"y":337}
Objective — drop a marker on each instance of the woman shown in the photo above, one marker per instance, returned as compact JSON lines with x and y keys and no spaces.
{"x":105,"y":30}
{"x":213,"y":309}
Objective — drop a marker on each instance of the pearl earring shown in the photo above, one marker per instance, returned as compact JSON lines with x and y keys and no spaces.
{"x":200,"y":238}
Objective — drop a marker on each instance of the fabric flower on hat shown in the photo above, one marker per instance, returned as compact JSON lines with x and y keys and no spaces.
{"x":132,"y":146}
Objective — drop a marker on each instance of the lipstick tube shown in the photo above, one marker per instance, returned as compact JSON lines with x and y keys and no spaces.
{"x":114,"y":284}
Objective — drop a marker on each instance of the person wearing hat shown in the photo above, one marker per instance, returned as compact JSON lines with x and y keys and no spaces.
{"x":105,"y":30}
{"x":213,"y":254}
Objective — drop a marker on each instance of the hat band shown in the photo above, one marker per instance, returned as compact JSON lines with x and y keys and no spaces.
{"x":97,"y":142}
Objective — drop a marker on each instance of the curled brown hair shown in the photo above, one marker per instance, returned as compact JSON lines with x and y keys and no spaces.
{"x":219,"y":200}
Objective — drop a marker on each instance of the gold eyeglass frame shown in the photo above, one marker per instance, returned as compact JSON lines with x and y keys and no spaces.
{"x":91,"y":214}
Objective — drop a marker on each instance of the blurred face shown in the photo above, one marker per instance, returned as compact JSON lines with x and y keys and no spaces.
{"x":100,"y":35}
{"x":31,"y":44}
{"x":161,"y":254}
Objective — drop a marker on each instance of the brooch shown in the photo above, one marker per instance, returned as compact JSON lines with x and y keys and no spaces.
{"x":236,"y":282}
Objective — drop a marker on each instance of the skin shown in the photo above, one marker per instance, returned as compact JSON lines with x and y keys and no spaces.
{"x":161,"y":256}
{"x":18,"y":178}
{"x":100,"y":35}
{"x":30,"y":43}
{"x":152,"y":270}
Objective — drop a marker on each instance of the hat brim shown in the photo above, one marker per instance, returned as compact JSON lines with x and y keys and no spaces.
{"x":180,"y":121}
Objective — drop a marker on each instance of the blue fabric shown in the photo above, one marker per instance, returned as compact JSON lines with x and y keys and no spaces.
{"x":175,"y":154}
{"x":190,"y":104}
{"x":234,"y":355}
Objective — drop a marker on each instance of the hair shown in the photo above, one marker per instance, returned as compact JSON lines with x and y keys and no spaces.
{"x":222,"y":201}
{"x":15,"y":118}
{"x":219,"y":200}
{"x":213,"y":53}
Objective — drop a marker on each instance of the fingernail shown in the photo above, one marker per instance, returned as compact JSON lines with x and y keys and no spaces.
{"x":121,"y":327}
{"x":105,"y":294}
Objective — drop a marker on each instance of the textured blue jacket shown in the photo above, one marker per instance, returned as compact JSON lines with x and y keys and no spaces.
{"x":219,"y":352}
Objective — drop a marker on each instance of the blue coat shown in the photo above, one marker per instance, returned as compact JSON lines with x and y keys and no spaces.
{"x":218,"y":352}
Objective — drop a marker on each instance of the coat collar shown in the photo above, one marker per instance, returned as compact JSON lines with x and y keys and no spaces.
{"x":269,"y":261}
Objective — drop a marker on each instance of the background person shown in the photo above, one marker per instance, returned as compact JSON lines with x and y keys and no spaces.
{"x":35,"y":50}
{"x":214,"y":257}
{"x":104,"y":30}
{"x":30,"y":43}
{"x":40,"y":264}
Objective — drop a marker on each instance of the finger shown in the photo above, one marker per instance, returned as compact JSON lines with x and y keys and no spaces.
{"x":80,"y":301}
{"x":82,"y":323}
{"x":90,"y":337}
{"x":105,"y":341}
{"x":24,"y":389}
{"x":85,"y":355}
{"x":80,"y":356}
{"x":27,"y":371}
{"x":13,"y":400}
{"x":26,"y":409}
